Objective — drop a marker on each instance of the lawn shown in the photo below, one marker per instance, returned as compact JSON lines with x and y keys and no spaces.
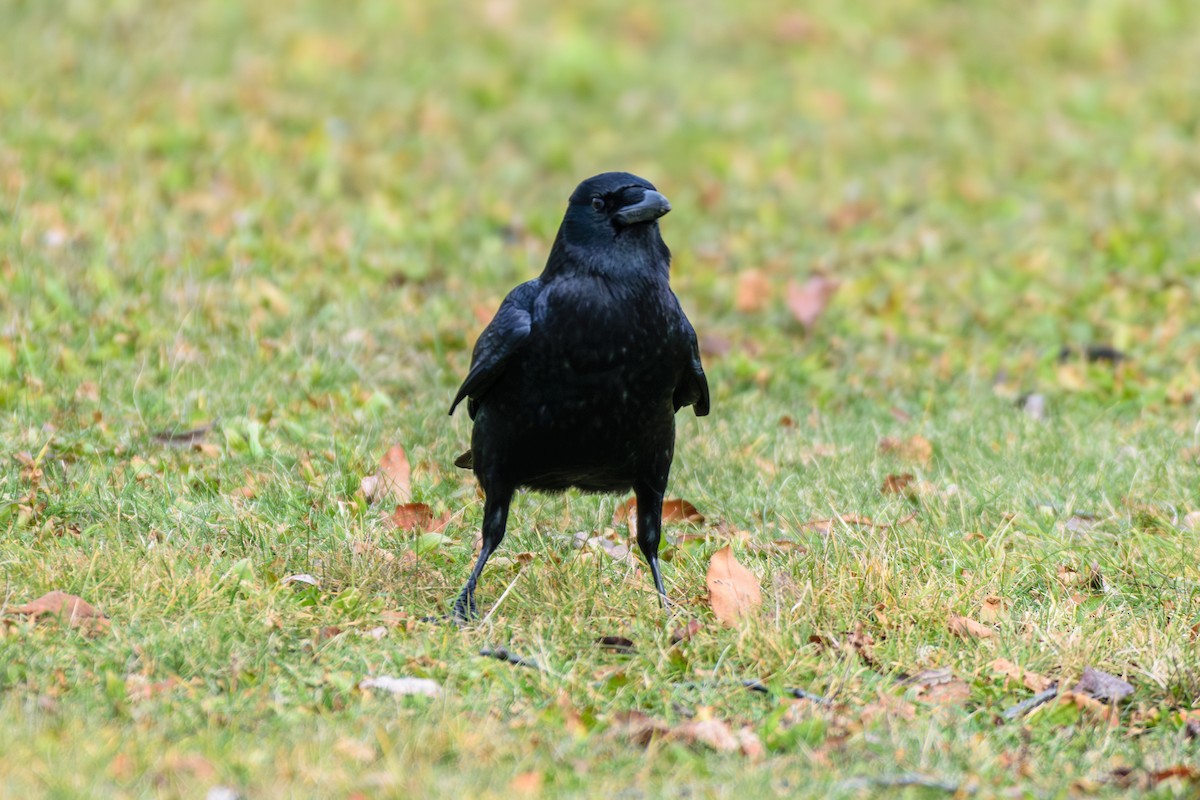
{"x":245,"y":249}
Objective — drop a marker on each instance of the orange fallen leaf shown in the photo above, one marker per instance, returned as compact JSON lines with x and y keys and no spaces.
{"x":752,"y":292}
{"x":673,"y":510}
{"x":897,"y":484}
{"x":967,"y":628}
{"x":939,"y":687}
{"x":526,"y":783}
{"x":807,"y":301}
{"x":733,"y":590}
{"x":991,"y":609}
{"x":77,"y":612}
{"x":393,"y":478}
{"x":1029,"y":679}
{"x":412,"y":517}
{"x":915,"y":448}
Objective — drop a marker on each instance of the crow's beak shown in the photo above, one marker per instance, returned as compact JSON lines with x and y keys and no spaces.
{"x":652,"y":206}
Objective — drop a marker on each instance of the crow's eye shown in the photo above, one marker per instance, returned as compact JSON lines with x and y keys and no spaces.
{"x":598,"y":203}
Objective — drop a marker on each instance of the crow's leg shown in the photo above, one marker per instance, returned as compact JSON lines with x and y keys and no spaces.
{"x":495,"y":520}
{"x":649,"y":532}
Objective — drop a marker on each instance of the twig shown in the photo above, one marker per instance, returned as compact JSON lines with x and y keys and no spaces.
{"x":799,"y":694}
{"x":761,"y":688}
{"x":901,"y":781}
{"x":503,"y":595}
{"x":511,"y":658}
{"x":1025,"y":706}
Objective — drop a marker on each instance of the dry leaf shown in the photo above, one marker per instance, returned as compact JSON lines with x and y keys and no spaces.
{"x":717,"y":734}
{"x":825,"y":526}
{"x":673,"y":510}
{"x":1091,"y":706}
{"x":638,"y":727}
{"x":412,"y":516}
{"x":967,"y":628}
{"x":685,"y":632}
{"x":733,"y":590}
{"x":1102,"y":686}
{"x":77,"y":612}
{"x":752,"y":292}
{"x":807,"y":301}
{"x":526,"y":783}
{"x":393,"y":478}
{"x":897,"y":484}
{"x":1030,"y":680}
{"x":939,"y":687}
{"x":991,"y":609}
{"x":915,"y":448}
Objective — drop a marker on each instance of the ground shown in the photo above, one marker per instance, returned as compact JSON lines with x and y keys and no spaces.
{"x":284,"y":225}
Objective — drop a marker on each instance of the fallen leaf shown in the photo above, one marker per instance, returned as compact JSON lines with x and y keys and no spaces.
{"x":526,"y":783}
{"x":362,"y":547}
{"x":685,"y":632}
{"x":1191,"y":723}
{"x":733,"y":590}
{"x":807,"y":301}
{"x":967,"y":628}
{"x":1102,"y":686}
{"x":673,"y":510}
{"x":939,"y":686}
{"x":302,"y":578}
{"x":712,"y":733}
{"x":915,"y":448}
{"x":183,"y":438}
{"x":412,"y":516}
{"x":752,"y":292}
{"x":1029,"y":679}
{"x":402,"y":686}
{"x":677,"y":510}
{"x":1091,"y":706}
{"x":393,"y":478}
{"x":77,"y":612}
{"x":897,"y":484}
{"x":991,"y":609}
{"x":638,"y":727}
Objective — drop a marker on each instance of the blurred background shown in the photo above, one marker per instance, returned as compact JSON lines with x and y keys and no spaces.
{"x":345,"y":192}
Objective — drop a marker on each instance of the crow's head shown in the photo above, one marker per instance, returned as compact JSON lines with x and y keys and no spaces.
{"x":606,"y":206}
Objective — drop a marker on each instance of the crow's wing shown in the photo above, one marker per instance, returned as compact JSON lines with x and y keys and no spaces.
{"x":499,"y":340}
{"x":692,"y":389}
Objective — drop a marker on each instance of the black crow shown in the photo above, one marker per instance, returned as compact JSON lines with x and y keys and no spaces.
{"x":577,"y":379}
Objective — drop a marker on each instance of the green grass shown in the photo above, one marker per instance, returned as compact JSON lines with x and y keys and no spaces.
{"x":287,"y":220}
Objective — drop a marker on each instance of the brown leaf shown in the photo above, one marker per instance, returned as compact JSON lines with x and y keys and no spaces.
{"x":638,"y":727}
{"x":1091,"y":706}
{"x":412,"y":517}
{"x":77,"y":612}
{"x":752,"y":292}
{"x":733,"y":590}
{"x":685,"y":632}
{"x":526,"y":783}
{"x":393,"y":478}
{"x":677,"y":510}
{"x":1030,"y":680}
{"x":939,"y":687}
{"x":967,"y":628}
{"x":808,"y":301}
{"x":1102,"y":686}
{"x":714,"y":733}
{"x":991,"y":609}
{"x":183,"y":438}
{"x":915,"y":448}
{"x":897,"y":484}
{"x":673,"y":510}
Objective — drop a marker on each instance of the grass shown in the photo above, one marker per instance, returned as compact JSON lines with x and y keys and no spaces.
{"x":291,"y":222}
